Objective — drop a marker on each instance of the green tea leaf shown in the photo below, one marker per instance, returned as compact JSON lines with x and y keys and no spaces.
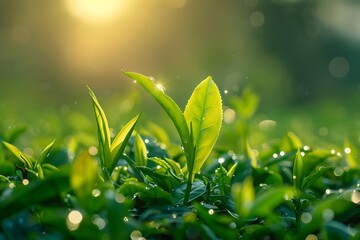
{"x":250,"y":154}
{"x":244,"y":196}
{"x":119,"y":143}
{"x":290,"y":142}
{"x":147,"y":193}
{"x":166,"y":182}
{"x":313,"y":176}
{"x":103,"y":132}
{"x":203,"y":113}
{"x":140,"y":151}
{"x":298,"y":174}
{"x":351,"y":154}
{"x":19,"y":155}
{"x":198,"y":189}
{"x":84,"y":174}
{"x":171,"y":108}
{"x":44,"y":154}
{"x":265,"y":202}
{"x":35,"y":193}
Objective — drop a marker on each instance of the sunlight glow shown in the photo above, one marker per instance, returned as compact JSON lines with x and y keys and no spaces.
{"x":96,"y":11}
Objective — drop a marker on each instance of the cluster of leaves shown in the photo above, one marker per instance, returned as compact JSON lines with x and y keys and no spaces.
{"x":135,"y":187}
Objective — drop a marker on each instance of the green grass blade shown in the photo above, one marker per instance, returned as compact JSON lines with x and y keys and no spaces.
{"x":44,"y":154}
{"x":103,"y":132}
{"x":119,"y":143}
{"x":19,"y":155}
{"x":171,"y":108}
{"x":204,"y":113}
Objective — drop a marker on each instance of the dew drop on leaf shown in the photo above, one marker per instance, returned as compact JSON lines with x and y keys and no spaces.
{"x":328,"y":214}
{"x":221,"y":160}
{"x":347,"y":150}
{"x":96,"y":192}
{"x":25,"y":181}
{"x":306,"y":217}
{"x":355,"y":197}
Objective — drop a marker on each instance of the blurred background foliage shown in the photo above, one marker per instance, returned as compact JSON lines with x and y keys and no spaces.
{"x":299,"y":57}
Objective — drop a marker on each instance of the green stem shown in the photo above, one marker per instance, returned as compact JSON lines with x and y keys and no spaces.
{"x":187,"y":191}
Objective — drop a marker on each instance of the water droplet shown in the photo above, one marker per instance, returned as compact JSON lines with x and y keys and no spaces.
{"x":347,"y":150}
{"x":332,"y":151}
{"x":151,"y":78}
{"x":282,"y":153}
{"x":126,"y":219}
{"x":302,"y":154}
{"x":311,"y":237}
{"x":229,"y":116}
{"x":109,"y":194}
{"x":221,"y":160}
{"x":135,"y":81}
{"x":338,"y":171}
{"x":306,"y":217}
{"x":119,"y":198}
{"x":211,"y":211}
{"x":136,"y":235}
{"x":232,"y":225}
{"x":355,"y":197}
{"x":341,"y":190}
{"x":11,"y":185}
{"x":173,"y":215}
{"x":328,"y":214}
{"x":226,"y":91}
{"x":25,"y":181}
{"x":275,"y":155}
{"x":146,"y":140}
{"x":306,"y":148}
{"x":73,"y":220}
{"x":294,"y":177}
{"x":160,"y":87}
{"x":93,"y":150}
{"x":267,"y":125}
{"x":99,"y":222}
{"x":96,"y":192}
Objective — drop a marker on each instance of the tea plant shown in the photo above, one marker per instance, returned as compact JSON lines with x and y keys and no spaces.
{"x":134,"y":187}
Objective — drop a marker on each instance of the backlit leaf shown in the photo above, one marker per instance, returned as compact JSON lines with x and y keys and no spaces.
{"x":298,"y":174}
{"x":103,"y":132}
{"x":44,"y":154}
{"x":119,"y":143}
{"x":140,"y":151}
{"x":203,"y":113}
{"x":19,"y":155}
{"x":244,"y":196}
{"x":84,"y":174}
{"x":171,"y":108}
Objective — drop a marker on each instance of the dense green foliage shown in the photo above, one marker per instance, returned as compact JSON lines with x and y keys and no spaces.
{"x":137,"y":184}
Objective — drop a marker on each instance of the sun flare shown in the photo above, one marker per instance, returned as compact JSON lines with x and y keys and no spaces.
{"x":96,"y":11}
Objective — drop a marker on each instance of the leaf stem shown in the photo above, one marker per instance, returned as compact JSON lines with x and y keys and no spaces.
{"x":187,"y":191}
